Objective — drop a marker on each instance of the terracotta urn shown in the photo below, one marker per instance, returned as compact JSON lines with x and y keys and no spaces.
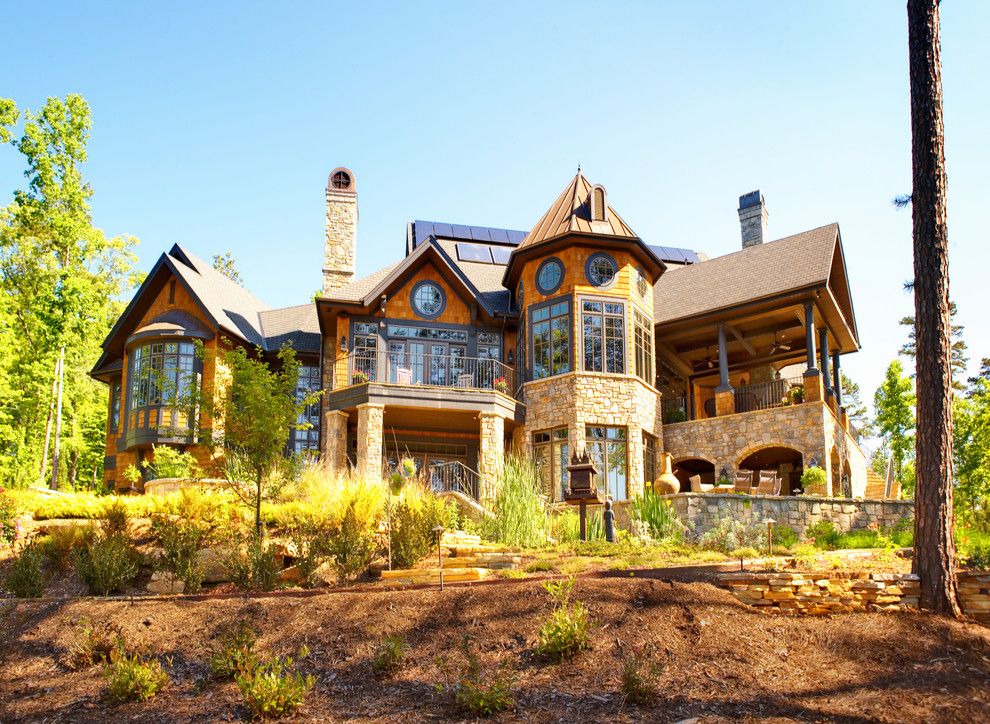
{"x":666,"y":482}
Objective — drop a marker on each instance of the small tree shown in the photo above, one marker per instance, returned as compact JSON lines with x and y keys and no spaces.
{"x":256,"y":413}
{"x":894,"y":404}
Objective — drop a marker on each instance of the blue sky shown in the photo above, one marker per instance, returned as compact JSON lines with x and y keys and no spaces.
{"x":216,"y":124}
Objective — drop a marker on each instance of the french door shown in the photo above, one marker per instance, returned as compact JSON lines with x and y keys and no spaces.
{"x":426,"y":363}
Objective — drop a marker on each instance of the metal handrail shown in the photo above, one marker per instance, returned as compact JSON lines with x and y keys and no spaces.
{"x":479,"y":373}
{"x":454,"y":476}
{"x":766,"y":395}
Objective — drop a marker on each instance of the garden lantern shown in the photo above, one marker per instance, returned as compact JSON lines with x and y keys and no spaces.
{"x":581,"y":488}
{"x":439,"y":531}
{"x":769,"y":522}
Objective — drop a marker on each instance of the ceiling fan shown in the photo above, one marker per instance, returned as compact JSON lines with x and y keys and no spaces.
{"x":782,"y":346}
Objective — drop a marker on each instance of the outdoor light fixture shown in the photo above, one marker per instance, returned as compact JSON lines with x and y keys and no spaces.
{"x":382,"y":305}
{"x":511,"y":357}
{"x":439,"y":531}
{"x":770,"y":522}
{"x":813,"y":462}
{"x":343,"y":343}
{"x":724,"y":473}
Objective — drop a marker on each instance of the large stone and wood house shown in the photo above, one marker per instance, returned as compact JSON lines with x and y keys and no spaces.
{"x":575,"y":336}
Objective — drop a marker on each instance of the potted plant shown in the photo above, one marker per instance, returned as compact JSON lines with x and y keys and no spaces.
{"x":673,"y":416}
{"x":794,"y":396}
{"x":359,"y":378}
{"x":501,"y":385}
{"x":813,"y":481}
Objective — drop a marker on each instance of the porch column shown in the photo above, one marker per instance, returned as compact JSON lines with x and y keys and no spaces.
{"x":823,"y":353}
{"x":333,"y":441}
{"x":812,"y":377}
{"x":836,"y":379}
{"x":369,"y":440}
{"x":725,"y":398}
{"x":491,"y":454}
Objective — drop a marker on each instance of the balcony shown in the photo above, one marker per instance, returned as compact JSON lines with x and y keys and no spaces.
{"x":782,"y":392}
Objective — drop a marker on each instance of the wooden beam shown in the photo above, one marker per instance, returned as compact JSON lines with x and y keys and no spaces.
{"x":742,"y":340}
{"x":695,"y":346}
{"x":671,"y":358}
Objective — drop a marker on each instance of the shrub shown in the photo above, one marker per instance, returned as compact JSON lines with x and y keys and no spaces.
{"x":273,"y":688}
{"x":93,"y":645}
{"x":746,"y":552}
{"x":62,"y":541}
{"x":170,"y":462}
{"x":474,"y":691}
{"x":825,"y":535}
{"x":730,"y":534}
{"x":641,"y":679}
{"x":565,"y":526}
{"x":520,"y":517}
{"x":252,"y":565}
{"x":236,"y":653}
{"x":566,"y":631}
{"x":804,"y":554}
{"x":116,"y":518}
{"x":181,"y":540}
{"x":107,"y":563}
{"x":413,"y":521}
{"x":26,"y":577}
{"x":8,"y":518}
{"x":129,"y":678}
{"x":658,"y":516}
{"x":673,"y":416}
{"x":312,"y":540}
{"x":352,"y":545}
{"x":784,"y":535}
{"x":977,"y":557}
{"x":388,"y":655}
{"x":814,"y":481}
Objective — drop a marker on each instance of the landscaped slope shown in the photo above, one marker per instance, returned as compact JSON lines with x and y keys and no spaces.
{"x":723,"y":660}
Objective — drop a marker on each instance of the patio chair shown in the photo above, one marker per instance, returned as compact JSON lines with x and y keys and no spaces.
{"x":403,"y":376}
{"x":743,"y":482}
{"x":769,"y":483}
{"x":465,"y":380}
{"x":699,"y":487}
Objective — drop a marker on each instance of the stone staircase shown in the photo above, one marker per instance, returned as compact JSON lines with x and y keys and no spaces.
{"x":464,"y":557}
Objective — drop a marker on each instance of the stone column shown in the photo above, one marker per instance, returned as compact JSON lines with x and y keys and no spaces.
{"x":369,"y":440}
{"x":333,"y":440}
{"x":491,"y":454}
{"x":634,"y":475}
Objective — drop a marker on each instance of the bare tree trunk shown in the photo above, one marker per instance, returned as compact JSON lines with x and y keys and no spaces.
{"x":58,"y":419}
{"x":51,"y":416}
{"x":934,"y":547}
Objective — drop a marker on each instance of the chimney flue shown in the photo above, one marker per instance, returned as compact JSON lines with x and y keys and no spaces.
{"x":753,"y":219}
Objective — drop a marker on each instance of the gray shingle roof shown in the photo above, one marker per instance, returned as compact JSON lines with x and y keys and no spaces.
{"x":760,"y":271}
{"x":298,"y":325}
{"x":356,"y":290}
{"x":487,"y":278}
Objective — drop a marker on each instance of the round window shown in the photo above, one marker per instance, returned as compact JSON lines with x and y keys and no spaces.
{"x":601,"y":269}
{"x":428,"y":299}
{"x":641,"y":283}
{"x":549,"y":276}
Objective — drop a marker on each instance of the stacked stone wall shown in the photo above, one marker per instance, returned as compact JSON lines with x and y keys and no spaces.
{"x":701,"y":512}
{"x":340,"y":247}
{"x":824,"y":593}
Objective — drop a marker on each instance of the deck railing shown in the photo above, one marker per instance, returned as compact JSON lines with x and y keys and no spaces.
{"x":454,"y":477}
{"x":443,"y":370}
{"x":766,"y":395}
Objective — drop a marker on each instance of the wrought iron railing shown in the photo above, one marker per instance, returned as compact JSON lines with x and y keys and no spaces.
{"x":454,"y":477}
{"x":767,"y":395}
{"x":435,"y":370}
{"x":674,"y":409}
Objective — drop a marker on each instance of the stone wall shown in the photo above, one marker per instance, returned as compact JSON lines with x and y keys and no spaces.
{"x":369,"y":440}
{"x":822,"y":593}
{"x":340,"y":247}
{"x":700,"y":512}
{"x":583,"y":398}
{"x":810,"y":428}
{"x":491,"y":455}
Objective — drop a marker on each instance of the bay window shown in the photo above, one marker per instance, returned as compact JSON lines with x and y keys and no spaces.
{"x":643,"y":332}
{"x":603,"y":325}
{"x":550,"y":327}
{"x":552,"y":455}
{"x":609,"y":452}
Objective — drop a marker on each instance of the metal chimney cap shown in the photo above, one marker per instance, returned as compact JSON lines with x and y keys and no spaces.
{"x":753,"y":198}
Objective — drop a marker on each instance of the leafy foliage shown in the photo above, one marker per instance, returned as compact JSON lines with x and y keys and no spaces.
{"x":388,"y":655}
{"x":181,"y":540}
{"x":226,"y":265}
{"x":413,"y":521}
{"x":520,"y":515}
{"x":170,"y":462}
{"x":971,"y":446}
{"x":93,"y":644}
{"x":894,"y":403}
{"x":729,"y":534}
{"x":131,"y":678}
{"x":657,"y":515}
{"x":474,"y":690}
{"x":814,"y":481}
{"x":251,"y":563}
{"x":641,"y":678}
{"x":26,"y":577}
{"x":567,"y":631}
{"x":107,"y":563}
{"x":8,"y":518}
{"x":273,"y":688}
{"x":236,"y":653}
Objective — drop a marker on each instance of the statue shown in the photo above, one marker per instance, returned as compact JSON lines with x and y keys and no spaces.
{"x":609,"y":518}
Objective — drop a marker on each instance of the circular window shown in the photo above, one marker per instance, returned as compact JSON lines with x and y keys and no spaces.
{"x":341,"y":180}
{"x":549,"y":276}
{"x":642,"y":284}
{"x":601,"y":270}
{"x":428,"y":300}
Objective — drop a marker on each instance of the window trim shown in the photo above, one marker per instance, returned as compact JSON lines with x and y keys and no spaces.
{"x":547,"y":291}
{"x":611,"y":260}
{"x":642,"y":282}
{"x":415,"y":307}
{"x":603,"y":474}
{"x":625,"y":332}
{"x":647,"y":329}
{"x":558,"y":485}
{"x":531,"y":338}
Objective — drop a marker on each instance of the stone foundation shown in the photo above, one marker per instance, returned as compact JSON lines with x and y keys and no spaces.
{"x":701,"y":512}
{"x":822,"y":593}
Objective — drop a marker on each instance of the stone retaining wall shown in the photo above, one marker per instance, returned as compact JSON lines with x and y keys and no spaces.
{"x":700,"y":512}
{"x":821,"y":593}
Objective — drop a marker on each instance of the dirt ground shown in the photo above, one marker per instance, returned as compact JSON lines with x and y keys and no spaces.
{"x":723,"y":660}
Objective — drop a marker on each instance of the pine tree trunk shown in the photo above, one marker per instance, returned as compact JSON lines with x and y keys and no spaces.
{"x":934,"y":547}
{"x":51,"y":416}
{"x":58,"y":419}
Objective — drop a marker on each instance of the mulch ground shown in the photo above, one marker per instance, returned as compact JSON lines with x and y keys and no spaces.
{"x":723,"y":660}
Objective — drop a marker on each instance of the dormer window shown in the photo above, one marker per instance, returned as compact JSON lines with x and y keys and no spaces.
{"x":597,"y":203}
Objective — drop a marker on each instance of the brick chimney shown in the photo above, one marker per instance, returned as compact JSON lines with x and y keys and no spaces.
{"x":753,"y":219}
{"x":340,"y":245}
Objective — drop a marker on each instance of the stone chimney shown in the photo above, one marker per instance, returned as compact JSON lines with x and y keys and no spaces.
{"x":753,"y":219}
{"x":340,"y":246}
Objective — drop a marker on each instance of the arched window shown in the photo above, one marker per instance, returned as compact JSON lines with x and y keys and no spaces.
{"x":598,"y":204}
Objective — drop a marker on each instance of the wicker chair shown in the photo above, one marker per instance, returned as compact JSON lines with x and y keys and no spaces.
{"x":743,"y":482}
{"x":769,"y":484}
{"x":699,"y":487}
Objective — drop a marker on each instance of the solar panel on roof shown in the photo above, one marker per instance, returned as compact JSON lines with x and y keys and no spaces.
{"x":480,"y":233}
{"x":499,"y":235}
{"x":442,"y":230}
{"x":474,"y":252}
{"x":500,"y":254}
{"x":460,"y":231}
{"x":516,"y":237}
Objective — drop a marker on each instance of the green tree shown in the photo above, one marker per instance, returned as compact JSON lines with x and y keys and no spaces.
{"x":256,"y":411}
{"x":971,"y":446}
{"x":959,"y":349}
{"x":852,"y":401}
{"x":894,"y":423}
{"x":60,"y":282}
{"x":225,"y":264}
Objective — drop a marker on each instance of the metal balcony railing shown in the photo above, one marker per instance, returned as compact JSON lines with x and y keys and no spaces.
{"x":454,"y":477}
{"x":766,"y":395}
{"x":444,"y":370}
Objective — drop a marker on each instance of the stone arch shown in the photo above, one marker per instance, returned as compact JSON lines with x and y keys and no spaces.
{"x":786,"y":460}
{"x":835,"y":471}
{"x":846,"y":478}
{"x":688,"y":465}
